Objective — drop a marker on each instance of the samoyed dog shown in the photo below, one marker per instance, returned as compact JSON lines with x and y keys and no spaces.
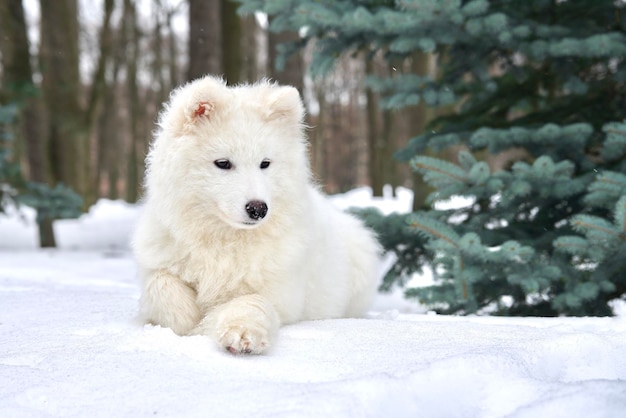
{"x":235,"y":239}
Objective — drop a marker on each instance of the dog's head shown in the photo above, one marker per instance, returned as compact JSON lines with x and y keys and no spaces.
{"x":232,"y":153}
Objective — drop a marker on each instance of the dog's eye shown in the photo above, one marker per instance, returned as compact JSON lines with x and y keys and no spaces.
{"x":223,"y":164}
{"x":265,"y":164}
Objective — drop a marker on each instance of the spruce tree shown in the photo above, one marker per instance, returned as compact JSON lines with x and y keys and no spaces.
{"x":59,"y":202}
{"x":546,"y":235}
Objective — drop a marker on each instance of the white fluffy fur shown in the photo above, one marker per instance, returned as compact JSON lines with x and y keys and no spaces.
{"x":207,"y":267}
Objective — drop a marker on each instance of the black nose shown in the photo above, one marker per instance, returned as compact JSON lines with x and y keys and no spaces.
{"x":256,"y":209}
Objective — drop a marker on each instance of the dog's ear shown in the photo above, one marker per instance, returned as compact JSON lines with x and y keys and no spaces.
{"x":196,"y":102}
{"x":284,"y":103}
{"x":204,"y":102}
{"x":200,"y":109}
{"x":205,"y":99}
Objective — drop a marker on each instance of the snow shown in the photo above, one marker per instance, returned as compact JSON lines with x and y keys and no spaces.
{"x":70,"y":346}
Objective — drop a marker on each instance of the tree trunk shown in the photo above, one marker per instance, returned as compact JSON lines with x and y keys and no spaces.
{"x":158,"y":65}
{"x":421,"y":65}
{"x":205,"y":37}
{"x":376,"y":168}
{"x":251,"y":50}
{"x":95,"y":106}
{"x":109,"y":136}
{"x":61,"y":91}
{"x":18,"y":85}
{"x":293,"y":73}
{"x":112,"y":132}
{"x":98,"y":84}
{"x":173,"y":50}
{"x":388,"y":165}
{"x":133,"y":167}
{"x":318,"y":143}
{"x":232,"y":59}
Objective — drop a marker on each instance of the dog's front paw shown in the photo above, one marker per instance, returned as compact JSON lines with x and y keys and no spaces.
{"x":242,"y":339}
{"x":244,"y":325}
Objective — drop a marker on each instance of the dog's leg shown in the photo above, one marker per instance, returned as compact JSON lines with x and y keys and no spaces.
{"x":169,"y":302}
{"x":246,"y":324}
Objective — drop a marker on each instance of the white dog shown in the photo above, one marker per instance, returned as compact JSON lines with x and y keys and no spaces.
{"x":234,"y":239}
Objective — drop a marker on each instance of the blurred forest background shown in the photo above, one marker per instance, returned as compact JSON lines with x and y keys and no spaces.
{"x":95,"y":74}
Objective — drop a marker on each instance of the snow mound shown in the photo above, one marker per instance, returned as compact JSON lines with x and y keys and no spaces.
{"x":71,"y":348}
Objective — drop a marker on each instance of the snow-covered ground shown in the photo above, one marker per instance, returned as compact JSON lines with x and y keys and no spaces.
{"x":70,"y":346}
